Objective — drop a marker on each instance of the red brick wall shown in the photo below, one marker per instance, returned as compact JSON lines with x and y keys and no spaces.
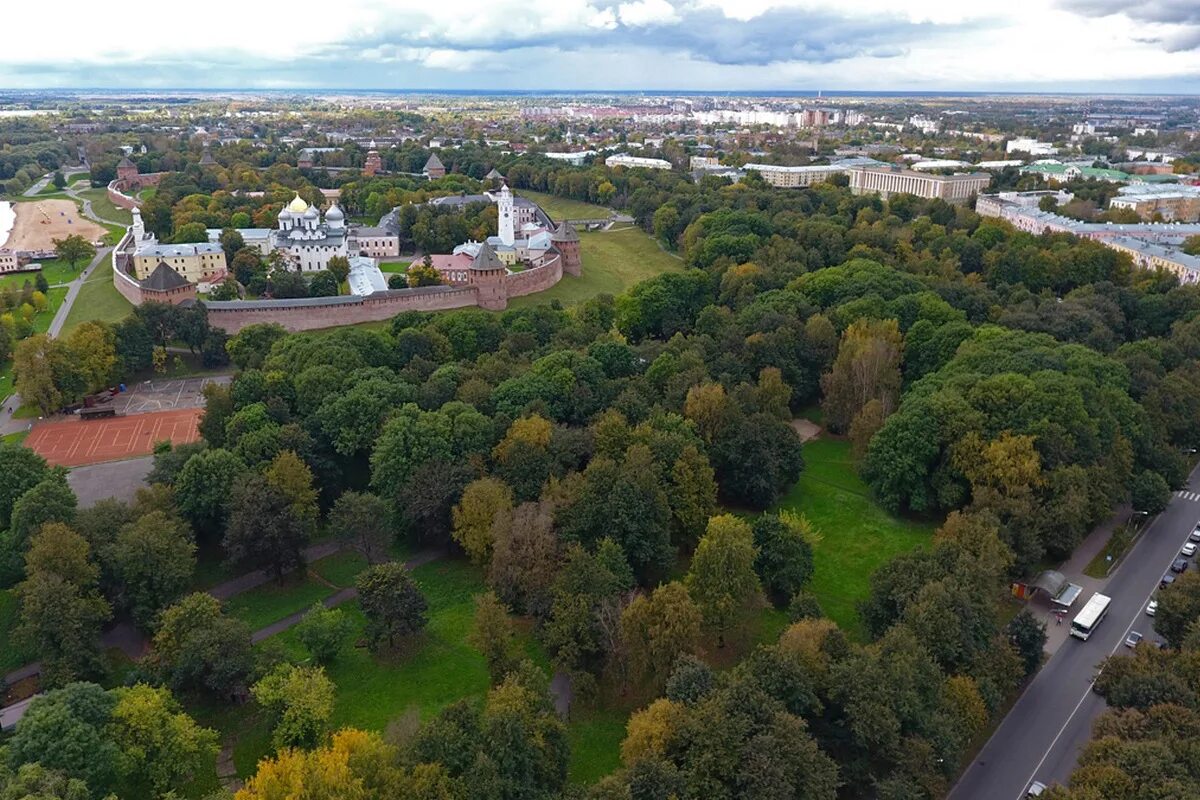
{"x":534,"y":279}
{"x":232,"y":316}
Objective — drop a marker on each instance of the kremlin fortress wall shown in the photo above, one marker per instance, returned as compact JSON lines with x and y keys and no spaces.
{"x":489,"y":289}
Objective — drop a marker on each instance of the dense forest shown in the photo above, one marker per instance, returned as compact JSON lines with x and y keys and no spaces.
{"x":614,"y":470}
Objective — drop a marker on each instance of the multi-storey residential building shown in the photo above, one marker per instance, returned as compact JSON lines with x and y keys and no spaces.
{"x":625,"y":160}
{"x":885,"y":181}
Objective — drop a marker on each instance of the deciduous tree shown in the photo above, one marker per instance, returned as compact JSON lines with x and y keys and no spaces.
{"x":721,"y":579}
{"x":392,"y":603}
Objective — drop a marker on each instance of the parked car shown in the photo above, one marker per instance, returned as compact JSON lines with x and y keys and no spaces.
{"x":1180,"y":565}
{"x":1188,"y":550}
{"x":1167,"y":580}
{"x":1152,"y":608}
{"x":1035,"y":789}
{"x":1194,"y":536}
{"x":1132,"y":639}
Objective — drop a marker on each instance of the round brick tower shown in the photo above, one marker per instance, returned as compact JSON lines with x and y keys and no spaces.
{"x":487,"y":273}
{"x":566,"y":241}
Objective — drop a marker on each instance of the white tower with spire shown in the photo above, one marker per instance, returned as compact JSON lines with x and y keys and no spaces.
{"x":507,"y":234}
{"x":138,"y":229}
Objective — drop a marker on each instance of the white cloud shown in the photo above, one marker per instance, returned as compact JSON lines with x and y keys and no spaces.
{"x":647,"y":12}
{"x":598,"y":44}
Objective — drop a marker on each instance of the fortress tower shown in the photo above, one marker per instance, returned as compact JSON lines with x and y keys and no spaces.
{"x":566,"y":241}
{"x":487,"y":272}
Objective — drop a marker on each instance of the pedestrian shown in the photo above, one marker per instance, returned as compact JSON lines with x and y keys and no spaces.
{"x":1059,"y":618}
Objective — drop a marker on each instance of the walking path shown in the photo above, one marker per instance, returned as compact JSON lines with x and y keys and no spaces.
{"x":89,"y":213}
{"x":125,"y":637}
{"x":60,"y":317}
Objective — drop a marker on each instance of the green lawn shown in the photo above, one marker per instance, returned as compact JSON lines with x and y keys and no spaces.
{"x":104,"y":208}
{"x":274,"y":601}
{"x":857,"y":536}
{"x":612,"y":262}
{"x":393,"y":266}
{"x":435,"y":669}
{"x":56,"y":271}
{"x":41,"y":321}
{"x":6,"y":380}
{"x":98,"y":300}
{"x":560,"y":208}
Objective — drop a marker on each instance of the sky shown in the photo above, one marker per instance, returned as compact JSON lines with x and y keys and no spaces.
{"x":700,"y":45}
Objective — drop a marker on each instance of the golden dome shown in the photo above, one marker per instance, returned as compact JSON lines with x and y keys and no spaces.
{"x":297,"y":206}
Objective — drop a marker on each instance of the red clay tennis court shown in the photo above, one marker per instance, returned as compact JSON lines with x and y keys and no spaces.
{"x":73,"y":442}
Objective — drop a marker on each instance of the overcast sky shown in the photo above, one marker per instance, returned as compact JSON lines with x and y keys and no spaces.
{"x":1042,"y":45}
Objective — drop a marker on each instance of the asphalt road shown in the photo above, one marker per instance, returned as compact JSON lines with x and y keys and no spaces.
{"x":1043,"y":734}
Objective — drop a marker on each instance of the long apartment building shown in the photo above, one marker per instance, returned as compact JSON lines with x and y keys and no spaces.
{"x":887,"y":181}
{"x":1151,"y":245}
{"x":799,"y":177}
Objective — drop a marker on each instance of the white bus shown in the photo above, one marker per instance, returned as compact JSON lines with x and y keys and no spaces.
{"x":1091,"y":615}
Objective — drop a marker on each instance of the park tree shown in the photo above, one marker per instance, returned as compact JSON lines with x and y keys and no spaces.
{"x":253,"y":343}
{"x":59,"y":607}
{"x":757,"y":459}
{"x":22,"y":469}
{"x":228,"y":289}
{"x":162,"y":749}
{"x":92,"y":348}
{"x":722,"y":579}
{"x":867,"y":368}
{"x":198,"y":649}
{"x":231,"y":243}
{"x":35,"y":781}
{"x":422,"y":273}
{"x":152,"y":560}
{"x":1028,"y":637}
{"x":323,"y":284}
{"x":289,"y":475}
{"x":264,"y":531}
{"x":44,"y":373}
{"x":711,"y":409}
{"x":66,"y":730}
{"x":692,"y":496}
{"x":525,"y":553}
{"x":523,"y":458}
{"x":651,"y":731}
{"x":339,"y":266}
{"x":204,"y":486}
{"x":50,"y":500}
{"x":657,"y":629}
{"x":323,"y":631}
{"x":392,"y":603}
{"x":493,"y":634}
{"x":1150,"y":492}
{"x":360,"y":521}
{"x":785,"y":555}
{"x":169,"y":460}
{"x":474,"y":516}
{"x":189,"y":233}
{"x":301,"y":701}
{"x":1178,"y":608}
{"x":626,"y":502}
{"x":74,"y":249}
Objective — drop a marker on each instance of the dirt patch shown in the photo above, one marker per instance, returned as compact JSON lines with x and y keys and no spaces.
{"x":40,"y":222}
{"x":807,"y":429}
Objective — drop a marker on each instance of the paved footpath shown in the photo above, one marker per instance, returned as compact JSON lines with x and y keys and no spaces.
{"x":60,"y":317}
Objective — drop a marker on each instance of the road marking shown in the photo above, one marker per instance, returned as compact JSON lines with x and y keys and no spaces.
{"x":1193,"y":496}
{"x":1117,"y":646}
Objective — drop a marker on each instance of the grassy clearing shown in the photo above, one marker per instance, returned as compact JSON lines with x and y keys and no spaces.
{"x":98,"y":300}
{"x":857,"y":535}
{"x":394,"y":266}
{"x":42,"y":320}
{"x":273,"y":601}
{"x":612,"y":262}
{"x":16,"y":438}
{"x":560,"y":208}
{"x":1118,"y":545}
{"x":55,"y":270}
{"x":105,"y":208}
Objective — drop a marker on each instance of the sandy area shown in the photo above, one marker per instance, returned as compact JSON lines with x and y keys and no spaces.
{"x":40,"y":222}
{"x":807,"y":430}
